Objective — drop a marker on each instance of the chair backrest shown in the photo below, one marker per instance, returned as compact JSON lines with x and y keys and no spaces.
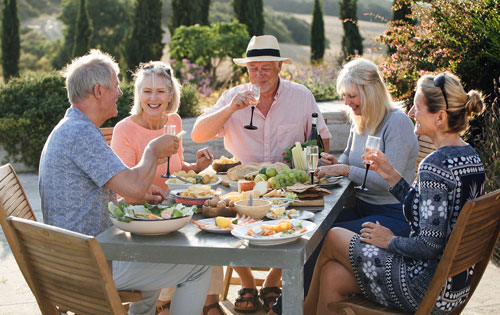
{"x":68,"y":269}
{"x":425,"y":147}
{"x":471,"y":243}
{"x":107,"y":133}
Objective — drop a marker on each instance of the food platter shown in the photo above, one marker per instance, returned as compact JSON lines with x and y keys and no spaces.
{"x":301,"y":215}
{"x":187,"y":200}
{"x":177,"y":186}
{"x":208,"y":225}
{"x":332,"y":181}
{"x":241,"y":233}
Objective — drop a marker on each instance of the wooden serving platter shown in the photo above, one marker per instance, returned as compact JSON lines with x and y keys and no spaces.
{"x":309,"y":203}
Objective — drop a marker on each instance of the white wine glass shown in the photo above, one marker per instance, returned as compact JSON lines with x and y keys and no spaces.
{"x":168,"y":130}
{"x":256,"y":94}
{"x":312,"y":157}
{"x":372,"y":143}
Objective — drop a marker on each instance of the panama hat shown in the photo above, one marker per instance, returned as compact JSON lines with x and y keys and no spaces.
{"x":262,"y":48}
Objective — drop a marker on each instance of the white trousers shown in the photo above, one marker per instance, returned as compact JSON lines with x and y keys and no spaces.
{"x":190,"y":280}
{"x":216,"y":286}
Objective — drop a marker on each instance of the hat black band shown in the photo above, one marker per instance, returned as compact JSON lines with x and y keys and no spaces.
{"x":263,"y":52}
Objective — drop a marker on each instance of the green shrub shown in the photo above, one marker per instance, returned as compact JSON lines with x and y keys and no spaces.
{"x":190,"y":104}
{"x":31,"y":106}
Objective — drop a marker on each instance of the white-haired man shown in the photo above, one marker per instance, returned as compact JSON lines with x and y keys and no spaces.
{"x":79,"y":174}
{"x":282,"y":117}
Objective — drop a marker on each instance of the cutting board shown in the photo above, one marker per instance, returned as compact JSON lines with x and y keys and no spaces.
{"x":309,"y":203}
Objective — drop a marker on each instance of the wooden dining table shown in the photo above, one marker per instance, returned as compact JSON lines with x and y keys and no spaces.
{"x":190,"y":245}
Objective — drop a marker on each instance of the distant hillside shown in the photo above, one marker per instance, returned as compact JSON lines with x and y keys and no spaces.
{"x":366,"y":8}
{"x":33,"y":8}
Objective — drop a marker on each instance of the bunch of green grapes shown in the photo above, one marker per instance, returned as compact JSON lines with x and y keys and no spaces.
{"x":288,"y":177}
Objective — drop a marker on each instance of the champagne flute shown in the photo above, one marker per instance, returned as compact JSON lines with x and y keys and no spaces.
{"x":168,"y":130}
{"x":372,"y":143}
{"x":256,"y":92}
{"x":312,"y":156}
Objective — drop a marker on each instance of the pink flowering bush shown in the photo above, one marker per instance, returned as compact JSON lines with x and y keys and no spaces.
{"x":320,"y":79}
{"x":197,"y":75}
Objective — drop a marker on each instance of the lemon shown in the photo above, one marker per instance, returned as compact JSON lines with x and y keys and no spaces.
{"x":260,"y":177}
{"x":222,"y":222}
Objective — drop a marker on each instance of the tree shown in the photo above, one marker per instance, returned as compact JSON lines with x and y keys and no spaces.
{"x":209,"y":45}
{"x":144,"y":41}
{"x":250,"y":13}
{"x":352,"y":42}
{"x":83,"y":32}
{"x":10,"y":40}
{"x":401,"y":15}
{"x":188,"y":12}
{"x":317,"y":34}
{"x":107,"y":35}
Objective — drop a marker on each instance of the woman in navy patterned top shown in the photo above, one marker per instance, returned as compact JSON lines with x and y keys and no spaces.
{"x":396,"y":271}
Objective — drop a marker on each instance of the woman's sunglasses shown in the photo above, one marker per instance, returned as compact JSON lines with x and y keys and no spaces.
{"x":148,"y":66}
{"x":439,"y":82}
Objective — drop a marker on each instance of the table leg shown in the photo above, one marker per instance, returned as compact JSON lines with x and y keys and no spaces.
{"x":293,"y":291}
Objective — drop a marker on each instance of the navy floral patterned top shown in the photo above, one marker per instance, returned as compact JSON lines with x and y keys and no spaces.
{"x":399,"y":276}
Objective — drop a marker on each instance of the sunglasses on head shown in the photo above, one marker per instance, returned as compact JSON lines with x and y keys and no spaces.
{"x":149,"y":66}
{"x":439,"y":82}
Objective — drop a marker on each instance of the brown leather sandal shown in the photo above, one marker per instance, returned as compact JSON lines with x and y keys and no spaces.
{"x":254,"y":299}
{"x":267,"y":299}
{"x":216,"y":305}
{"x":165,"y":306}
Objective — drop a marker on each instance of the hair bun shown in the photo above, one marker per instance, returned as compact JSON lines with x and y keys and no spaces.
{"x":474,"y":104}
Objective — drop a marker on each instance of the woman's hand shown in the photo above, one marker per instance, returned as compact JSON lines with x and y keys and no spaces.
{"x":332,"y":170}
{"x":381,"y":165}
{"x":203,"y":159}
{"x":376,"y":234}
{"x":328,"y":159}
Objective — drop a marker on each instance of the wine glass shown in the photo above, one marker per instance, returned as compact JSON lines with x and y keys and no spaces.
{"x":168,"y":130}
{"x":312,"y":156}
{"x":256,"y":92}
{"x":372,"y":143}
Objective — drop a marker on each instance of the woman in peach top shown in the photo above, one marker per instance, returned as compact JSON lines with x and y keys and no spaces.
{"x":156,"y":100}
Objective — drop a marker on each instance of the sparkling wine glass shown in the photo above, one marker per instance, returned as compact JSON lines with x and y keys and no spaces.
{"x":168,"y":130}
{"x":256,"y":92}
{"x":312,"y":156}
{"x":372,"y":143}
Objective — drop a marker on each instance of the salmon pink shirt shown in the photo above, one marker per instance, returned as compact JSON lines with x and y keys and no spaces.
{"x":288,"y":121}
{"x":129,"y":141}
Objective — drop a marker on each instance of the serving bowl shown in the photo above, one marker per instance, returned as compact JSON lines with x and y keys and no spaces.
{"x":257,"y":210}
{"x":152,"y":227}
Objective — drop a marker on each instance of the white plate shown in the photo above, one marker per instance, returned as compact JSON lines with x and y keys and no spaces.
{"x":177,"y":186}
{"x":332,"y":181}
{"x":211,"y":226}
{"x":177,"y":193}
{"x":285,"y":203}
{"x":301,"y":215}
{"x":241,"y":233}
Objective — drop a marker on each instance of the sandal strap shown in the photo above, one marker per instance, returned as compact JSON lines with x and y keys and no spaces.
{"x":244,"y":291}
{"x":216,"y":305}
{"x":165,"y":306}
{"x":267,"y":290}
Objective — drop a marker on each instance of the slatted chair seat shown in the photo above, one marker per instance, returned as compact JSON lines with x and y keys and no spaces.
{"x":471,"y":244}
{"x":68,"y":269}
{"x":14,"y":202}
{"x":425,"y":147}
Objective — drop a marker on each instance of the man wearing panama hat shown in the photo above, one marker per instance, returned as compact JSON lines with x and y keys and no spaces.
{"x":282,"y":117}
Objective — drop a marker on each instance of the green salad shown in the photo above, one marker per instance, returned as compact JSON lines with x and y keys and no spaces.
{"x":125,"y":212}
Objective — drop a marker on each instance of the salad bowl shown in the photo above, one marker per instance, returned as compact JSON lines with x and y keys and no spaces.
{"x":151,"y":227}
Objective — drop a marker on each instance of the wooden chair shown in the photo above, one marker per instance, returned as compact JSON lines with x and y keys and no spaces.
{"x":107,"y":133}
{"x":67,"y":269}
{"x":229,"y":279}
{"x":471,"y":243}
{"x":425,"y":147}
{"x":14,"y":202}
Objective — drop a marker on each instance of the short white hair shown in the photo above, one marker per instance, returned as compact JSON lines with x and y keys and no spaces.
{"x":83,"y":73}
{"x":161,"y":70}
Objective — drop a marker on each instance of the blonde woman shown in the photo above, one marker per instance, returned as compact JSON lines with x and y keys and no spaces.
{"x":396,"y":271}
{"x":156,"y":100}
{"x":372,"y":112}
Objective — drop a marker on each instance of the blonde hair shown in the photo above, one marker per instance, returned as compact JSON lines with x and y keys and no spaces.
{"x":461,"y":105}
{"x":156,"y":68}
{"x":83,"y":73}
{"x":376,"y":102}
